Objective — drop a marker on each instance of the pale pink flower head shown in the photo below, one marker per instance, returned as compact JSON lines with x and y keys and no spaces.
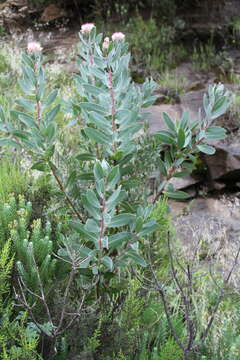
{"x":106,"y":43}
{"x":34,"y":47}
{"x":86,"y":28}
{"x":118,"y":36}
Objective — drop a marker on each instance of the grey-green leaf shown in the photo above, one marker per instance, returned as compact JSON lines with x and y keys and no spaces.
{"x":170,"y":124}
{"x":181,"y":195}
{"x":121,"y":220}
{"x":181,"y":138}
{"x":97,"y":136}
{"x":113,"y":177}
{"x":107,"y":261}
{"x":206,"y":149}
{"x":51,"y":97}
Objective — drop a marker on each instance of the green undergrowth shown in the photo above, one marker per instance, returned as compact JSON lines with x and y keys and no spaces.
{"x":13,"y":179}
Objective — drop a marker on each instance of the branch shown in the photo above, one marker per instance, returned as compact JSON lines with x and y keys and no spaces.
{"x":166,"y":309}
{"x":220,"y":297}
{"x":69,"y":283}
{"x":61,"y":186}
{"x":73,"y":318}
{"x":42,"y":291}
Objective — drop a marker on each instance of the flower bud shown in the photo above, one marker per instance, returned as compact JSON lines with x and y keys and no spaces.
{"x":118,"y":36}
{"x":34,"y":47}
{"x":106,"y":43}
{"x":86,"y":28}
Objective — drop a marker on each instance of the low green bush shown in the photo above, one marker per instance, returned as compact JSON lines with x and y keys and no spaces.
{"x":152,"y":46}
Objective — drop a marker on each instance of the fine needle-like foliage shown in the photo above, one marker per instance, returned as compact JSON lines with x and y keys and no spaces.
{"x":17,"y":340}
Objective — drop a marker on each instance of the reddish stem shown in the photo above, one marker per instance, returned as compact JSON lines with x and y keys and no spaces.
{"x":38,"y":112}
{"x":38,"y":102}
{"x":112,"y":93}
{"x":102,"y":226}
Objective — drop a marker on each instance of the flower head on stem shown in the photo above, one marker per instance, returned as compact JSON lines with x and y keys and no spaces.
{"x":34,"y":47}
{"x":87,"y":28}
{"x":106,"y":43}
{"x":118,"y":36}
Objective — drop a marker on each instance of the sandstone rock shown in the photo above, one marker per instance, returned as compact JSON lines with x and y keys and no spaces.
{"x":11,"y":19}
{"x":155,"y":120}
{"x":192,"y":79}
{"x":52,"y":12}
{"x":183,"y":183}
{"x":225,"y":163}
{"x":212,"y":226}
{"x":17,"y":3}
{"x":191,"y":101}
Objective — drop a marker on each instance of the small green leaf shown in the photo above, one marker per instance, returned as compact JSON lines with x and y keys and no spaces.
{"x":2,"y":116}
{"x":51,"y":97}
{"x":181,"y":195}
{"x":93,"y":89}
{"x":100,"y":187}
{"x":23,"y":135}
{"x":89,"y":206}
{"x":98,"y":171}
{"x":148,"y":227}
{"x":97,"y":136}
{"x":183,"y":173}
{"x":71,"y":178}
{"x":139,"y":224}
{"x":107,"y":261}
{"x":84,"y":264}
{"x":206,"y":149}
{"x":92,"y":199}
{"x":101,"y":122}
{"x":119,"y":239}
{"x":50,"y":116}
{"x":85,"y":157}
{"x":40,"y":166}
{"x":181,"y":138}
{"x":92,"y":107}
{"x":165,"y":137}
{"x":121,"y":220}
{"x":137,"y":259}
{"x":170,"y":124}
{"x":117,"y":196}
{"x":27,"y":59}
{"x":24,"y":118}
{"x":27,"y":104}
{"x":79,"y":227}
{"x":113,"y":177}
{"x":162,"y":167}
{"x":101,"y":75}
{"x":92,"y":226}
{"x":95,"y":269}
{"x":184,"y":120}
{"x":86,"y":176}
{"x":215,"y":133}
{"x":29,"y":75}
{"x":9,"y":142}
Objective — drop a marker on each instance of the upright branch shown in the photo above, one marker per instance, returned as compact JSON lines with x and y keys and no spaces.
{"x":112,"y":94}
{"x":65,"y":320}
{"x":184,"y":139}
{"x":62,"y":188}
{"x":102,"y":224}
{"x":34,"y":49}
{"x":38,"y":103}
{"x":194,"y":338}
